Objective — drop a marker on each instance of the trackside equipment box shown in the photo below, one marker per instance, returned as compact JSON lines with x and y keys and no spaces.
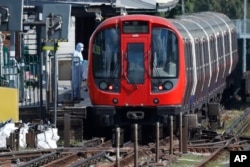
{"x":9,"y":107}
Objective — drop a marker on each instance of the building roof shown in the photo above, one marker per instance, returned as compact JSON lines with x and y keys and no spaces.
{"x":159,"y":5}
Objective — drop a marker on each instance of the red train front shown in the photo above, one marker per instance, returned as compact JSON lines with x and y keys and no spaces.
{"x":138,"y":71}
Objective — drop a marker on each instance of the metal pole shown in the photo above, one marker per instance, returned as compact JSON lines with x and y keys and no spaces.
{"x":12,"y":44}
{"x":171,"y":136}
{"x":67,"y":125}
{"x":117,"y":146}
{"x":39,"y":52}
{"x":182,"y":7}
{"x":12,"y":79}
{"x":135,"y":145}
{"x":180,"y":139}
{"x":41,"y":57}
{"x":48,"y":80}
{"x":1,"y":53}
{"x":185,"y":135}
{"x":244,"y":37}
{"x":22,"y":65}
{"x":157,"y":142}
{"x":55,"y":83}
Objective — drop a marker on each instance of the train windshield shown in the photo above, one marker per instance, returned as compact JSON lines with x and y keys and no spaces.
{"x":106,"y":59}
{"x":164,"y":53}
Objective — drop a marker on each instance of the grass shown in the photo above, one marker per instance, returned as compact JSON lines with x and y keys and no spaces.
{"x":189,"y":160}
{"x":193,"y":159}
{"x":221,"y":162}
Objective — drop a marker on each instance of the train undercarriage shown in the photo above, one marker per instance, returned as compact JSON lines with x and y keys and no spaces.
{"x":102,"y":122}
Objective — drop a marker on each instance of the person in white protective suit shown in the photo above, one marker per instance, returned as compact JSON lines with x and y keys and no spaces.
{"x":77,"y":68}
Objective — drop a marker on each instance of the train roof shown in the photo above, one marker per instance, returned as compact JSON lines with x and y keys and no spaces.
{"x":202,"y":24}
{"x":198,"y":24}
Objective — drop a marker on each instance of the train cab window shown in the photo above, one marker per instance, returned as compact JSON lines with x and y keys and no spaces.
{"x":165,"y":53}
{"x":106,"y":49}
{"x":135,"y":60}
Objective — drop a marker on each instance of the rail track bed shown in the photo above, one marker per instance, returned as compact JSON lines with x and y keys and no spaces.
{"x":163,"y":152}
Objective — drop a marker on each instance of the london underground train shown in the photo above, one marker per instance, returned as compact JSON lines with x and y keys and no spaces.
{"x":144,"y":69}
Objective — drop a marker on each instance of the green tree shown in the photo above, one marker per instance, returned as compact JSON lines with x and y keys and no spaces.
{"x":232,"y":8}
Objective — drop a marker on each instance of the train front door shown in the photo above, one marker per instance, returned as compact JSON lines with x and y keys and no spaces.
{"x":135,"y":70}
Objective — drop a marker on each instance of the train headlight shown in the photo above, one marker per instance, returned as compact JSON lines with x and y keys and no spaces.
{"x":168,"y":85}
{"x":110,"y":87}
{"x":160,"y":87}
{"x":103,"y":85}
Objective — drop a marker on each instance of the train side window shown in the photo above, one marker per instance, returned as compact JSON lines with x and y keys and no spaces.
{"x":188,"y":68}
{"x":233,"y":38}
{"x":190,"y":53}
{"x":197,"y":51}
{"x":202,"y":42}
{"x":212,"y":51}
{"x":220,"y":47}
{"x":205,"y":52}
{"x":226,"y":43}
{"x":106,"y":51}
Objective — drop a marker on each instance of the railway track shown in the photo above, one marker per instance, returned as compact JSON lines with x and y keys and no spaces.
{"x":99,"y":152}
{"x":234,"y":143}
